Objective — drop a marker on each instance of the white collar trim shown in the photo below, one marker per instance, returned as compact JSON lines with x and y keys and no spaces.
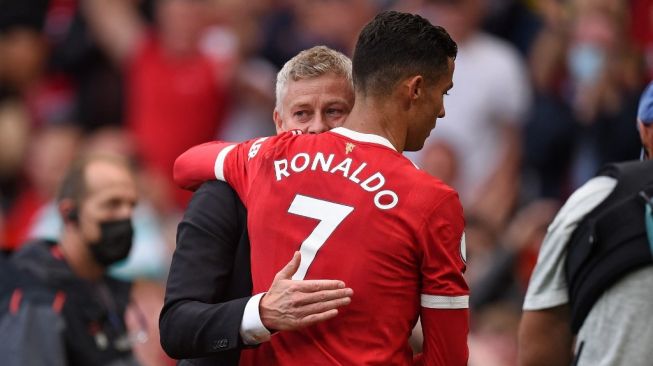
{"x":363,"y":137}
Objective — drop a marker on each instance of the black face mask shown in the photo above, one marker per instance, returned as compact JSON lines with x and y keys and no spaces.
{"x":115,"y":242}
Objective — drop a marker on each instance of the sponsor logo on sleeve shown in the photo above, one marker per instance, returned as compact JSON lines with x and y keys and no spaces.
{"x":256,"y":146}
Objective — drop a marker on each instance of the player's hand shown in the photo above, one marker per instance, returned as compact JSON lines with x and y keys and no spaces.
{"x":290,"y":304}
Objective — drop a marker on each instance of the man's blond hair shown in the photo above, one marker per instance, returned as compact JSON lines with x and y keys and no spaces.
{"x":312,"y":63}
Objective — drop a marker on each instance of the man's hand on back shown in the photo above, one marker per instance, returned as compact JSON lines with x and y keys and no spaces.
{"x":291,"y":304}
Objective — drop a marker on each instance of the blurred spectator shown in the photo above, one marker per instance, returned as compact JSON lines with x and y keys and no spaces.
{"x":3,"y":250}
{"x":501,"y":273}
{"x":24,"y":72}
{"x":176,"y":74}
{"x":587,"y":81}
{"x":14,"y":136}
{"x":298,"y":24}
{"x":498,"y":273}
{"x":439,"y":159}
{"x":253,"y":102}
{"x":251,"y":94}
{"x":334,"y":22}
{"x":493,"y":341}
{"x":641,"y":28}
{"x":481,"y":244}
{"x":98,"y":83}
{"x":49,"y":155}
{"x":22,"y":45}
{"x":513,"y":20}
{"x":63,"y":309}
{"x":483,"y":113}
{"x":30,"y":99}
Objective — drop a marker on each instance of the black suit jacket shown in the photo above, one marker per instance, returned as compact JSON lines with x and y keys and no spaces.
{"x":210,"y":280}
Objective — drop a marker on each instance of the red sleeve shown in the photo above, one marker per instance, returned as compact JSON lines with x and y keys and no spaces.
{"x":444,"y":293}
{"x":197,"y":165}
{"x":445,"y":337}
{"x":225,"y":161}
{"x":233,"y":163}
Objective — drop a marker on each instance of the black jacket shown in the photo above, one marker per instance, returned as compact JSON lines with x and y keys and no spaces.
{"x":210,"y":280}
{"x":56,"y":318}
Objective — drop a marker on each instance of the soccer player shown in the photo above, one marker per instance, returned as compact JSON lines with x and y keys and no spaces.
{"x":356,"y":209}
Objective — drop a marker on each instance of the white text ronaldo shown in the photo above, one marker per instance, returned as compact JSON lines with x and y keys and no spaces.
{"x":356,"y":172}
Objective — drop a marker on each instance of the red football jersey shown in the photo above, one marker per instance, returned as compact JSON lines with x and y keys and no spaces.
{"x":361,"y":212}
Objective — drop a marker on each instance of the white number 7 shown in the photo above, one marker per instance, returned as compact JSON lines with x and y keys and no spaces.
{"x":330,"y":215}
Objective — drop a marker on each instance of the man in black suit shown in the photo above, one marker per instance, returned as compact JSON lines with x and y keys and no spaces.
{"x":209,"y":312}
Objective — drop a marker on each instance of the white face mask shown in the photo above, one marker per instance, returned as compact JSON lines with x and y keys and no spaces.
{"x":585,"y":62}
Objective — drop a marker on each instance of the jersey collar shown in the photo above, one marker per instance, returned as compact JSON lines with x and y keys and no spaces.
{"x":363,"y":137}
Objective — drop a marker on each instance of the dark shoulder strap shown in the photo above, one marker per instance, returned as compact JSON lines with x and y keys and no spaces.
{"x":610,"y":241}
{"x":630,"y":175}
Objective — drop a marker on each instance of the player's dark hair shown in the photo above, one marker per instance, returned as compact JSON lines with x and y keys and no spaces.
{"x":395,"y":45}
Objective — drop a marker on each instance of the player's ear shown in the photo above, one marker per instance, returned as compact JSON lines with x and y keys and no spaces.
{"x":278,"y":122}
{"x":415,"y":86}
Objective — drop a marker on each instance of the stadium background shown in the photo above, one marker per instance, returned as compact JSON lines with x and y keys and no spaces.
{"x":124,"y":76}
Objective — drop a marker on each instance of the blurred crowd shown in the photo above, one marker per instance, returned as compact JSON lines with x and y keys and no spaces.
{"x":545,"y":92}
